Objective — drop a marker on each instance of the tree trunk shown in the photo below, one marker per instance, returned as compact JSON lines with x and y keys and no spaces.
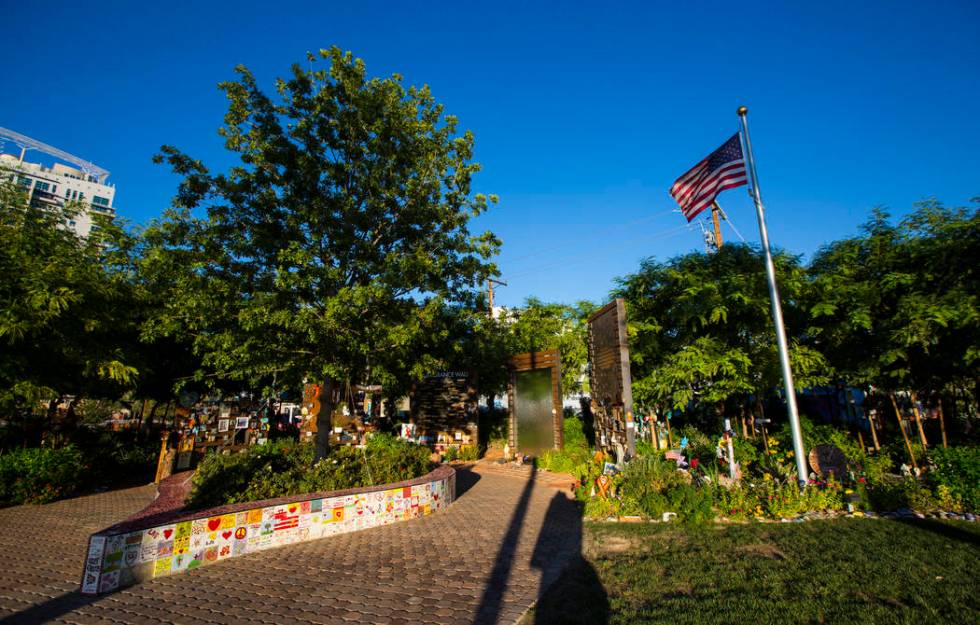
{"x":153,"y":411}
{"x":324,"y":423}
{"x":139,"y":422}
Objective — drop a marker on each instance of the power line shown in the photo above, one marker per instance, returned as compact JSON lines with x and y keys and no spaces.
{"x":619,"y":226}
{"x":588,"y":255}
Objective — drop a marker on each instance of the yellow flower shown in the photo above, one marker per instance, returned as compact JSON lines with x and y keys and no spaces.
{"x":848,"y":492}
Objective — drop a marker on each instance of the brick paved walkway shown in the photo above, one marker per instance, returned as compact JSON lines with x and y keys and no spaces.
{"x":484,"y":560}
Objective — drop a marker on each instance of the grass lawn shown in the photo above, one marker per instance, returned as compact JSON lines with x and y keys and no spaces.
{"x":840,"y":571}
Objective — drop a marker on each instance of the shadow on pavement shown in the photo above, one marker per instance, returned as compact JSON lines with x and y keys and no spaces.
{"x":570,"y":589}
{"x":50,"y":609}
{"x":466,"y":478}
{"x":492,"y":599}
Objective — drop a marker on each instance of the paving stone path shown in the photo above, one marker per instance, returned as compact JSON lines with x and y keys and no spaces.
{"x":484,"y":560}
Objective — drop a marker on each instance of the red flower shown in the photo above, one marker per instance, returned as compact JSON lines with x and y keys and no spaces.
{"x":694,"y":463}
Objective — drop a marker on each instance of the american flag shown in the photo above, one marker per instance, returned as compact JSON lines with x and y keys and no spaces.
{"x":722,"y":169}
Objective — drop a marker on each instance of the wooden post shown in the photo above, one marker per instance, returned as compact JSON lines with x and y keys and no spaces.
{"x":765,"y":442}
{"x":490,"y":283}
{"x":942,"y":422}
{"x":901,"y":427}
{"x":874,"y":432}
{"x":864,"y":449}
{"x":670,"y":440}
{"x":918,"y":419}
{"x":164,"y":459}
{"x":717,"y":224}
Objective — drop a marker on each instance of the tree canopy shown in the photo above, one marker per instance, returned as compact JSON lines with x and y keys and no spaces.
{"x":701,"y":328}
{"x":67,"y":320}
{"x":897,"y":306}
{"x":333,"y":248}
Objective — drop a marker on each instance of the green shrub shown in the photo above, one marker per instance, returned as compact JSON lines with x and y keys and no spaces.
{"x":782,"y":498}
{"x":746,"y":454}
{"x":646,"y":448}
{"x":954,"y":476}
{"x":282,"y":468}
{"x":40,"y":475}
{"x":119,"y":457}
{"x":650,"y":474}
{"x":738,"y":502}
{"x":575,"y":454}
{"x":469,"y":453}
{"x":654,"y":486}
{"x":599,"y":508}
{"x":699,"y":445}
{"x":225,"y":478}
{"x":692,"y":504}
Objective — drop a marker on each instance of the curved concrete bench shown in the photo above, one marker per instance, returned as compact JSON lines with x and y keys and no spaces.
{"x":162,"y":539}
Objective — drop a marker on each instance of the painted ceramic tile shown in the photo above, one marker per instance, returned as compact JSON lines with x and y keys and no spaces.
{"x":123,"y":559}
{"x":199,"y":527}
{"x":162,"y":566}
{"x":165,"y":548}
{"x":183,"y":530}
{"x":110,"y":581}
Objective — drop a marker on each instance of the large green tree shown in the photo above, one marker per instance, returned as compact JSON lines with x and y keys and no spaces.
{"x":538,"y":326}
{"x":331,"y":250}
{"x":68,"y":322}
{"x":897,"y":305}
{"x":701,"y":328}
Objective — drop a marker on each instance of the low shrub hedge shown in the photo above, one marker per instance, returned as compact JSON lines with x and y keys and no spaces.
{"x":283,"y":468}
{"x":649,"y":485}
{"x":40,"y":474}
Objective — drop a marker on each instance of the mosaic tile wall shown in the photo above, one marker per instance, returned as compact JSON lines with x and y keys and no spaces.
{"x":123,"y":558}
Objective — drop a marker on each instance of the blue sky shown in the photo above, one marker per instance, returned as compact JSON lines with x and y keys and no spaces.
{"x":584,"y":113}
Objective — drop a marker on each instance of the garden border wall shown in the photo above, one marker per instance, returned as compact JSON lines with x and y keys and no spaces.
{"x":154,"y":542}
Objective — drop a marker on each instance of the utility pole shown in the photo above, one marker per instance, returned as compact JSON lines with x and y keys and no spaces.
{"x":490,"y":283}
{"x":715,"y":209}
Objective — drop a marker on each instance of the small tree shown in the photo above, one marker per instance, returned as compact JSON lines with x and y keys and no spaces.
{"x":67,"y":304}
{"x":331,"y":250}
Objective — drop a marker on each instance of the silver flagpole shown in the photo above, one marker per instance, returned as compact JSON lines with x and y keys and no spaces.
{"x":777,"y":311}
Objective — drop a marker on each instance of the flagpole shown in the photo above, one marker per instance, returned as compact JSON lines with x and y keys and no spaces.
{"x":777,"y":311}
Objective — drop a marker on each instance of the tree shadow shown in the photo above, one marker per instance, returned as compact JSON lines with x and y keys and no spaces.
{"x":50,"y":609}
{"x":588,"y":420}
{"x":947,"y":530}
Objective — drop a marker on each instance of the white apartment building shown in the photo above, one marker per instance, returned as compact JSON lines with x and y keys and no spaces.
{"x":54,"y":185}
